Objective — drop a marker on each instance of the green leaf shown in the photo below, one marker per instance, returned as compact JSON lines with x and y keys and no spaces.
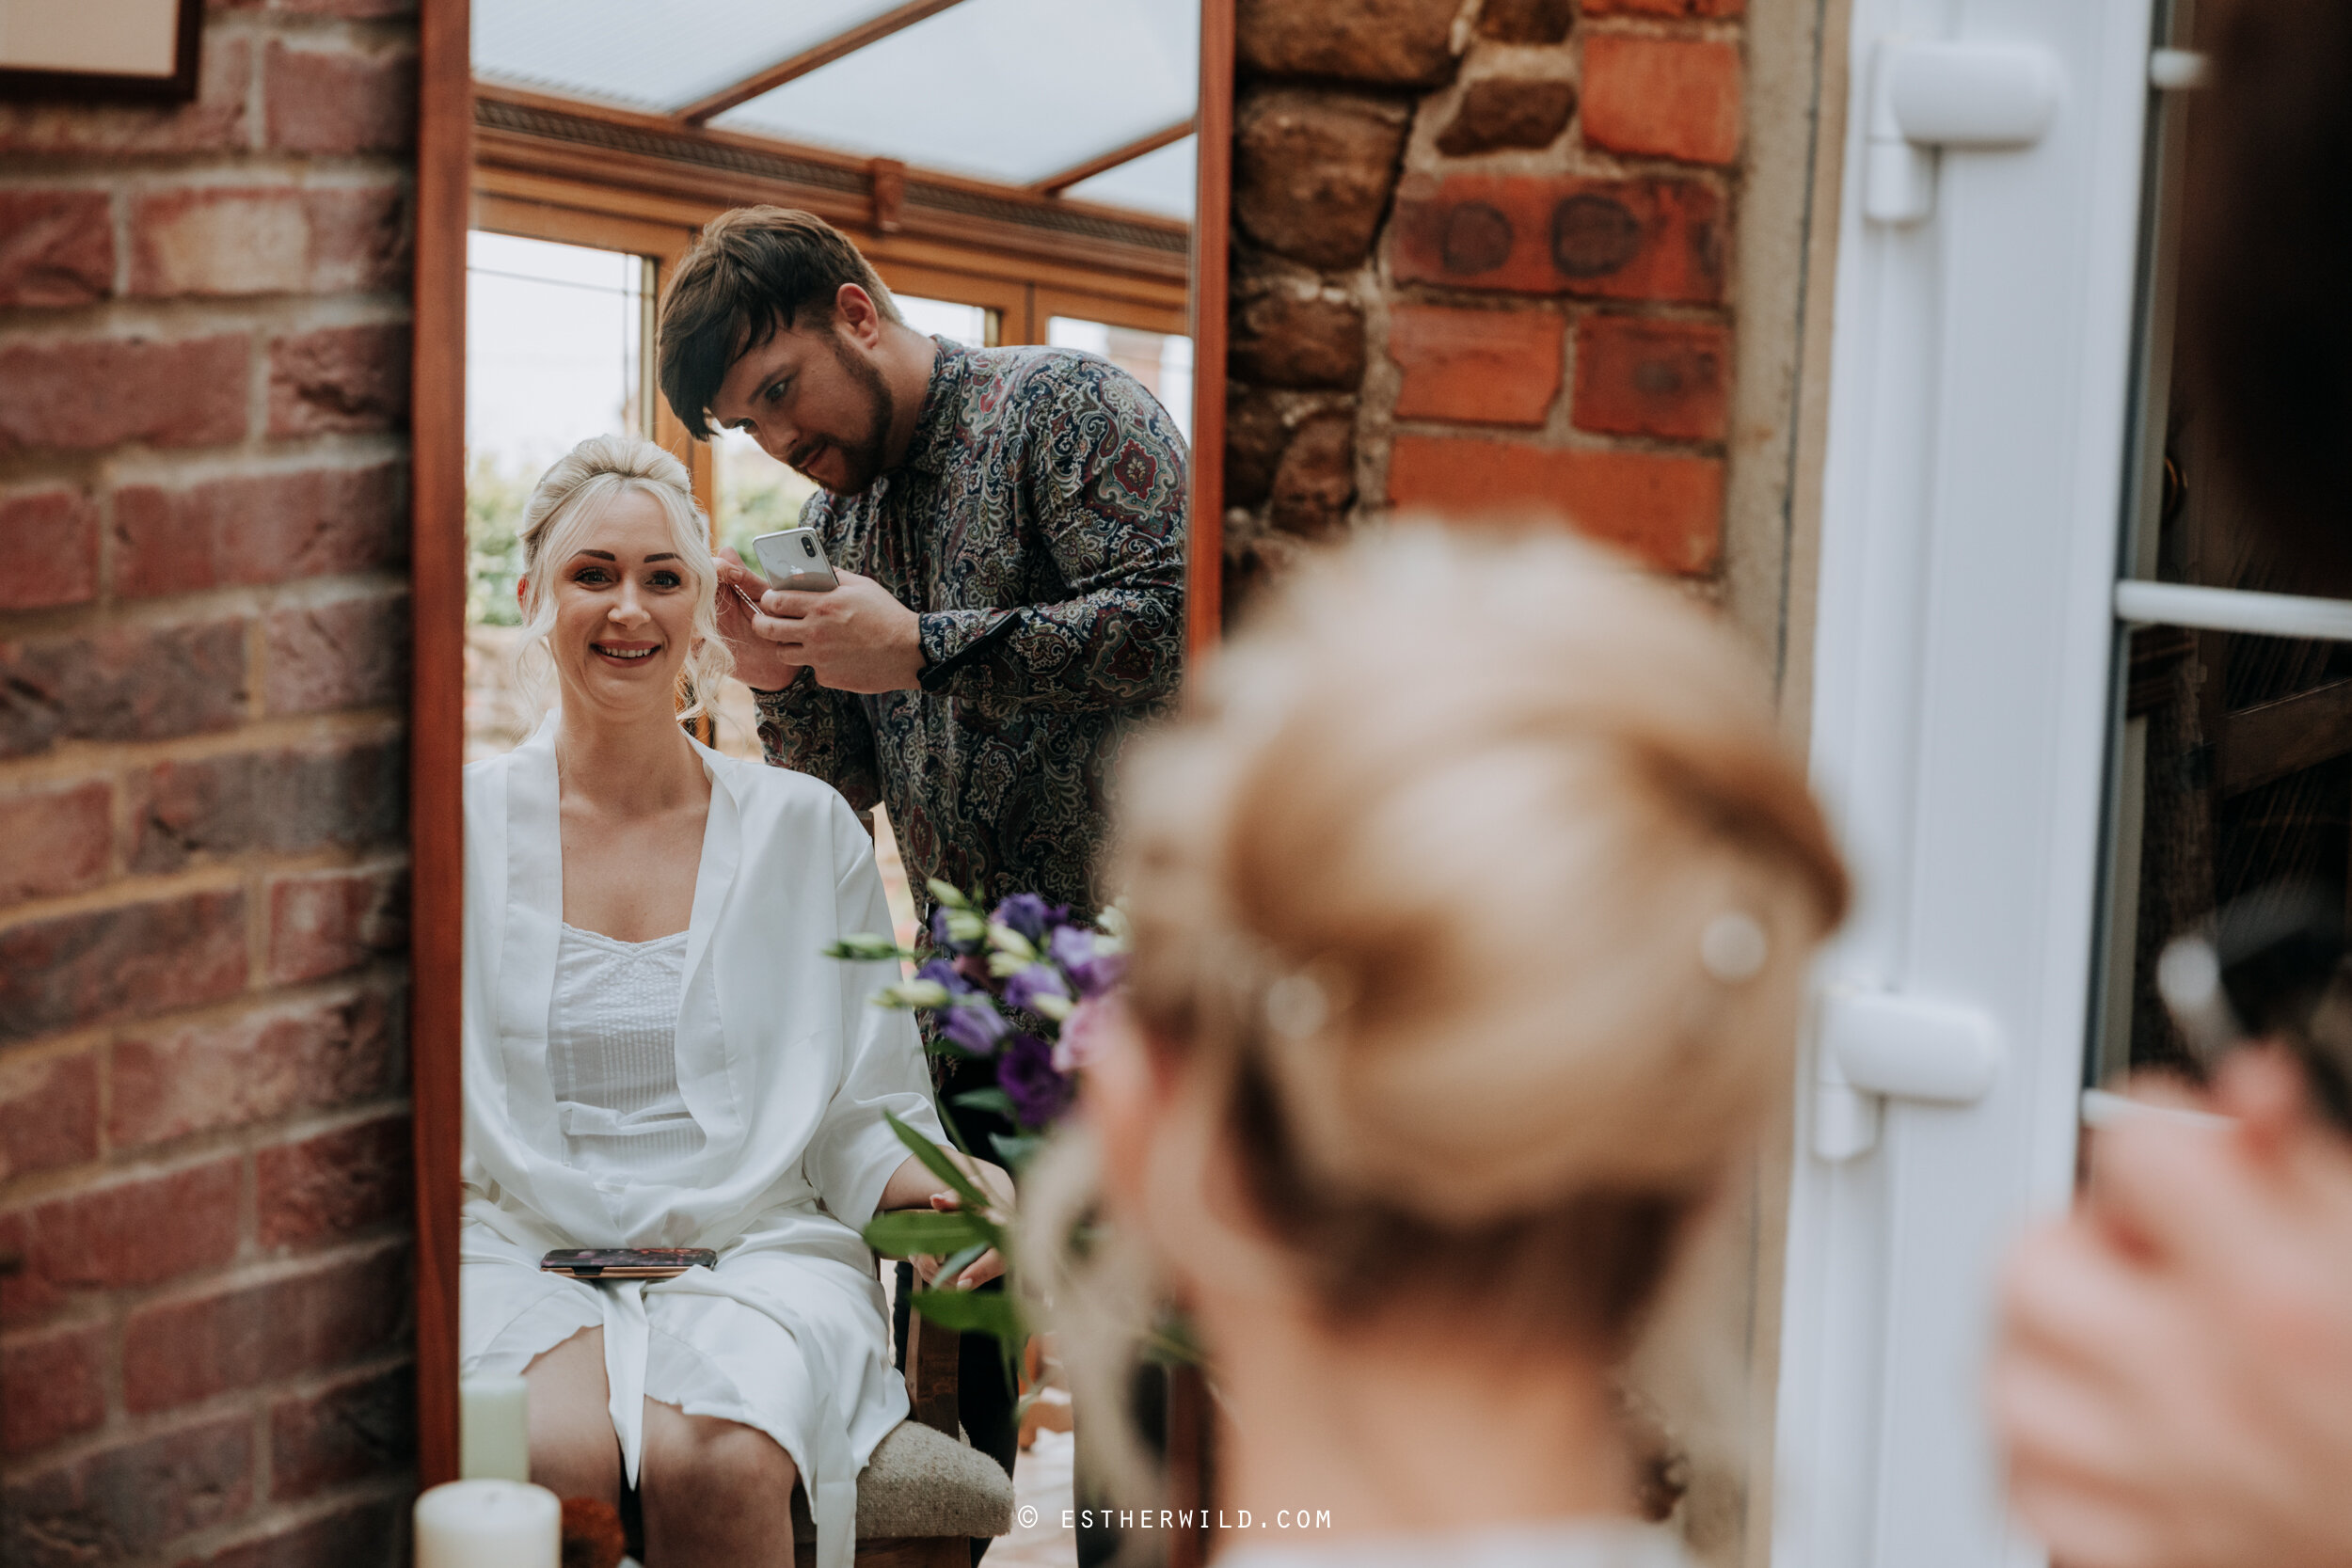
{"x":865,"y":947}
{"x":936,"y":1162}
{"x":973,"y":1312}
{"x":996,"y":1100}
{"x":905,"y":1232}
{"x":1015,"y":1149}
{"x":949,"y":893}
{"x":955,"y":1263}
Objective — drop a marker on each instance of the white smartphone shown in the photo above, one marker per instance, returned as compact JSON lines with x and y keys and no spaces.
{"x":795,"y":558}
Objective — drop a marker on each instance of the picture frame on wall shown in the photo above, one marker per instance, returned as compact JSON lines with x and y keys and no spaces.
{"x":140,"y":49}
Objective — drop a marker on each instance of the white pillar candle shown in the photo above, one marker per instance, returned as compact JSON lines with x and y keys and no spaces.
{"x":493,"y":1429}
{"x":489,"y":1523}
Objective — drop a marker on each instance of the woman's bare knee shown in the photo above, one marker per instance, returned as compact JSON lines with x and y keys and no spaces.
{"x":574,"y":1452}
{"x":700,"y":1467}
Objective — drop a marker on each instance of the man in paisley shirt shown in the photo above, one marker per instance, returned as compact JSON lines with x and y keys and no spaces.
{"x":1008,"y":528}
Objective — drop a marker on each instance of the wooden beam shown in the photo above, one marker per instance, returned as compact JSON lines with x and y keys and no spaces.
{"x":2270,"y":740}
{"x":1212,"y":234}
{"x":840,"y":44}
{"x":615,"y":149}
{"x":1168,"y":136}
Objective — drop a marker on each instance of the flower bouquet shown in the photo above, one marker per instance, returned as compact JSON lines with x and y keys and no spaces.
{"x":1023,"y":984}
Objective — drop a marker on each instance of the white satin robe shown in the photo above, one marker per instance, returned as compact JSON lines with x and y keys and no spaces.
{"x":785,"y":1065}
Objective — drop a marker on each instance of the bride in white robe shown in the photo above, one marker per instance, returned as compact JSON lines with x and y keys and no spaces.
{"x":654,"y":1060}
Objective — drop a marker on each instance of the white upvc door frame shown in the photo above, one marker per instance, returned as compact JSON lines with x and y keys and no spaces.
{"x":1976,"y":470}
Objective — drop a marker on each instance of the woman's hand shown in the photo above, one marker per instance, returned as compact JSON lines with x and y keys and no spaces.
{"x":912,"y":1185}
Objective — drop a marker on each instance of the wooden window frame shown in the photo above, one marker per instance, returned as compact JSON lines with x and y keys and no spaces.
{"x":453,"y":195}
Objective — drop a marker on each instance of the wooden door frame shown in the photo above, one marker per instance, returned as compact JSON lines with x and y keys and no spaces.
{"x":436,"y":712}
{"x":445,"y":183}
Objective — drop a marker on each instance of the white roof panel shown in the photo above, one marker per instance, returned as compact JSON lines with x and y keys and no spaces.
{"x":1158,"y":181}
{"x":654,"y":55}
{"x":1013,"y":90}
{"x":1009,"y":90}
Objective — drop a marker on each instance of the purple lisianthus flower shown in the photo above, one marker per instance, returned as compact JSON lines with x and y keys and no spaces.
{"x":976,"y":1025}
{"x":1074,"y":948}
{"x":1029,"y":914}
{"x":943,"y":931}
{"x":1039,"y":980}
{"x":943,"y":971}
{"x":1025,"y":1070}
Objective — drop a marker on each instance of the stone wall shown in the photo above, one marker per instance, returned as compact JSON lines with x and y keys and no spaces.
{"x":1483,"y":258}
{"x":203,"y":535}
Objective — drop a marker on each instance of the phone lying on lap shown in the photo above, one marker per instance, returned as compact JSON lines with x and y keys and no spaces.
{"x":656,"y":1262}
{"x":795,"y":558}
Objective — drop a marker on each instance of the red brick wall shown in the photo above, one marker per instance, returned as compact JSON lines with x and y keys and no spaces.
{"x":203,"y":1129}
{"x":1482,"y":265}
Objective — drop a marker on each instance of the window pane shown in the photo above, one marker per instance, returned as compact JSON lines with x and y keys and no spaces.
{"x":967,"y":325}
{"x":1161,"y":361}
{"x":555,"y":351}
{"x":2235,"y":772}
{"x":2231,"y":765}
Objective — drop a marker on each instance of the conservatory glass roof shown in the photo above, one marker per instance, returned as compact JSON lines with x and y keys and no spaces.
{"x":1022,"y":93}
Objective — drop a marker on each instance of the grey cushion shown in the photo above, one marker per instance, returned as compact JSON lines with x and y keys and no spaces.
{"x":923,"y":1483}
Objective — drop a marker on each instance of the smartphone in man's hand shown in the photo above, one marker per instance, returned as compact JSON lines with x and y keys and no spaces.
{"x":795,"y":558}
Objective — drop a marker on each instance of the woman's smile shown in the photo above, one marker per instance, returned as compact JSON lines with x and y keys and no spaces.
{"x":625,"y":653}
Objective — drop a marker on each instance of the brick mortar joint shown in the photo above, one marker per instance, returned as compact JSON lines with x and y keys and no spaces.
{"x":184,"y":319}
{"x":225,"y":874}
{"x":384,"y":982}
{"x":272,"y":1519}
{"x":250,"y":1270}
{"x":1570,"y":438}
{"x":279,"y":731}
{"x":124,"y":1428}
{"x":1669,"y":29}
{"x":132,"y":174}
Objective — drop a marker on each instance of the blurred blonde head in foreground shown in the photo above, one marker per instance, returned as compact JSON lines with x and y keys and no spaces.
{"x":1473,"y":898}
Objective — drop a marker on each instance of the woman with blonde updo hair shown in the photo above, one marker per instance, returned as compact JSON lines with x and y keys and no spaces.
{"x":657,"y":1055}
{"x":1472,"y":904}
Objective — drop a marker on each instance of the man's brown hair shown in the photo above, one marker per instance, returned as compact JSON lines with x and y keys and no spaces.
{"x":749,"y":274}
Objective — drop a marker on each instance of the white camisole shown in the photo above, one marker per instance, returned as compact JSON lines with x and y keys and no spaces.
{"x":612,"y":1054}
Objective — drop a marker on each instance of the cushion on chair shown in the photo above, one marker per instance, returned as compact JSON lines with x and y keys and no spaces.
{"x":923,"y":1483}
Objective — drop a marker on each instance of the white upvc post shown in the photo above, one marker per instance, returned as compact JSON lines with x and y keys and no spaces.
{"x":1972,"y":503}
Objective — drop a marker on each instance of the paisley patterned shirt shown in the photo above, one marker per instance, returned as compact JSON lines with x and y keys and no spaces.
{"x":1037,"y":525}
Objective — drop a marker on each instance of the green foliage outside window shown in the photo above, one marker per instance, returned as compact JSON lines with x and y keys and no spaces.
{"x":495,"y":495}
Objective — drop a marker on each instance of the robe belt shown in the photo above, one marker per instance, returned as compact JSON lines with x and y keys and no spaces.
{"x":826,"y":1472}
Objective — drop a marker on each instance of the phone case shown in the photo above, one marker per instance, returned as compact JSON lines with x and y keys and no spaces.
{"x":794,"y":559}
{"x":660,"y":1262}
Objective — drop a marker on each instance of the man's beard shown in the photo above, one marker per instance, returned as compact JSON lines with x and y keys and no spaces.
{"x":866,"y":459}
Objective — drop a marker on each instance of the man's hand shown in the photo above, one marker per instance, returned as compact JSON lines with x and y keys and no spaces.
{"x":2174,"y":1384}
{"x":858,"y":638}
{"x":759,"y":663}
